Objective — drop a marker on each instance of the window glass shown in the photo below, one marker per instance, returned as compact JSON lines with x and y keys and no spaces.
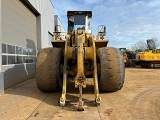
{"x":30,"y":59}
{"x":30,"y":51}
{"x":19,"y":54}
{"x":25,"y":59}
{"x":25,"y":51}
{"x":4,"y":49}
{"x":11,"y":59}
{"x":34,"y":52}
{"x":18,"y":50}
{"x":11,"y":49}
{"x":19,"y":59}
{"x":34,"y":59}
{"x":4,"y":60}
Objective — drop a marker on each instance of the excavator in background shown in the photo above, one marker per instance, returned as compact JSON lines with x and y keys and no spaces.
{"x":128,"y":57}
{"x":149,"y":58}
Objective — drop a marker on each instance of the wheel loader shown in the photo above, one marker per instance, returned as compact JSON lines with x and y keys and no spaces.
{"x":128,"y":56}
{"x":149,"y":58}
{"x":80,"y":57}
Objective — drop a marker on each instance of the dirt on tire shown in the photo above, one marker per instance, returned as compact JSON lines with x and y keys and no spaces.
{"x":112,"y":71}
{"x":48,"y":77}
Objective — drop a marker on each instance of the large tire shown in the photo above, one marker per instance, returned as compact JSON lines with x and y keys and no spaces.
{"x":111,"y":72}
{"x":48,"y":76}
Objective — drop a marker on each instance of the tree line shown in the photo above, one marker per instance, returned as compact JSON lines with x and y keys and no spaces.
{"x":142,"y":45}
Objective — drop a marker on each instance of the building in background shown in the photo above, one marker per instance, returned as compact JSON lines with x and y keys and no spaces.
{"x":26,"y":26}
{"x":58,"y":23}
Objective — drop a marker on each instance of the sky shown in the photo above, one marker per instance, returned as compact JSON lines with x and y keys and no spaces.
{"x":126,"y":21}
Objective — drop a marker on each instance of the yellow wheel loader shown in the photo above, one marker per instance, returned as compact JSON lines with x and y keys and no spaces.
{"x":129,"y":57}
{"x":149,"y":58}
{"x":78,"y":57}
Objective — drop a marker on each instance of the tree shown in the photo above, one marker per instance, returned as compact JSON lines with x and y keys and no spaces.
{"x":142,"y":45}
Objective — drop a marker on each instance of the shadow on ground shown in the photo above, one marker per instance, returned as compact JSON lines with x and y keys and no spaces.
{"x":29,"y":89}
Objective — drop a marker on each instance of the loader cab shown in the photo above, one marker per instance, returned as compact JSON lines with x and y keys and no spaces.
{"x":123,"y":50}
{"x":79,"y":20}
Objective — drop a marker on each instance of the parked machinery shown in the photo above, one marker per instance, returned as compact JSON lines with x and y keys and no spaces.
{"x":128,"y":56}
{"x":149,"y":58}
{"x":79,"y":57}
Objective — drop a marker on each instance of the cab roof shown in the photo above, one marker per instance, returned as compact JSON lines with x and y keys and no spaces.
{"x":87,"y":13}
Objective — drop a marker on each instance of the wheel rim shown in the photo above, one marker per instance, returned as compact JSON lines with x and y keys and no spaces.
{"x":152,"y":65}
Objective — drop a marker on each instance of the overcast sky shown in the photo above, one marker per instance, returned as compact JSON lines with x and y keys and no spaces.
{"x":127,"y":21}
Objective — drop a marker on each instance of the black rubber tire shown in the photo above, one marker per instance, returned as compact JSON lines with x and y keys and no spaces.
{"x":48,"y":76}
{"x":144,"y":65}
{"x":111,"y":72}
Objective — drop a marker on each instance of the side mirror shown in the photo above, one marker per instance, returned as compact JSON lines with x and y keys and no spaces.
{"x":102,"y":29}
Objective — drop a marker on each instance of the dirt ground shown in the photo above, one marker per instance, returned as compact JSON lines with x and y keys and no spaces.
{"x":139,"y":99}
